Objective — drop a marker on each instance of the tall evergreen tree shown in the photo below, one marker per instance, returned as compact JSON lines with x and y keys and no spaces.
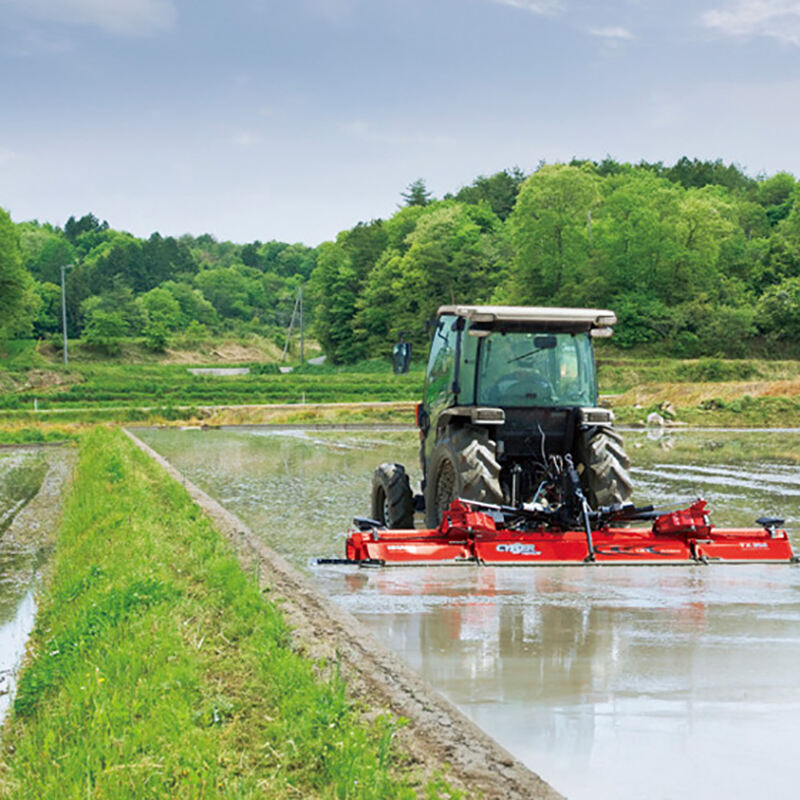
{"x":416,"y":193}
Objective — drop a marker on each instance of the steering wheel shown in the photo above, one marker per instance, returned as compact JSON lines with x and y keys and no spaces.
{"x":522,"y":384}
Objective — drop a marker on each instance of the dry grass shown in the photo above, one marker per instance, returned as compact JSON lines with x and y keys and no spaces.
{"x":692,"y":394}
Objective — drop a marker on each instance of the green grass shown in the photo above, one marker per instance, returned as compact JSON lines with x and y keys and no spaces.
{"x":157,"y":668}
{"x":741,"y":412}
{"x":35,"y":434}
{"x":163,"y":385}
{"x":154,"y":393}
{"x":725,"y":447}
{"x":617,"y":374}
{"x":21,"y":355}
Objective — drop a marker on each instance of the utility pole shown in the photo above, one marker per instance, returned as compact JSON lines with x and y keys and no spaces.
{"x":298,"y":307}
{"x":300,"y":294}
{"x":291,"y":327}
{"x":64,"y":268}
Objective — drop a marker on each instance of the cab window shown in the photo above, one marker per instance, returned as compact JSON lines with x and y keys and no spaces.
{"x":536,"y":369}
{"x":441,"y":364}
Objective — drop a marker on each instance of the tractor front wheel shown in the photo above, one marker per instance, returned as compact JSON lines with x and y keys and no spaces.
{"x":463,"y":464}
{"x":392,"y":501}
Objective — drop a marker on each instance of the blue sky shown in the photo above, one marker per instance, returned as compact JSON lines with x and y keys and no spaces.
{"x":294,"y":119}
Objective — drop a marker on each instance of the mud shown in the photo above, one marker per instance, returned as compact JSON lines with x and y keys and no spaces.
{"x":437,"y":733}
{"x":597,"y":679}
{"x":26,"y":540}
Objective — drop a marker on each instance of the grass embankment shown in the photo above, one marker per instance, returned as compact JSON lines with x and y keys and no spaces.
{"x":13,"y":434}
{"x":157,"y":669}
{"x":167,"y":386}
{"x":708,"y":391}
{"x":222,"y":349}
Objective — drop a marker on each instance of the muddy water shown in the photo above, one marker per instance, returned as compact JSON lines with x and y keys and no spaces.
{"x":614,"y":682}
{"x":30,"y":495}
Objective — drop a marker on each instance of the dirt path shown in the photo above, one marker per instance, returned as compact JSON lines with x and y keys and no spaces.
{"x":437,"y":733}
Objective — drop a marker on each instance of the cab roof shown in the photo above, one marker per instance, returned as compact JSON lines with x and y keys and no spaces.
{"x":580,"y":318}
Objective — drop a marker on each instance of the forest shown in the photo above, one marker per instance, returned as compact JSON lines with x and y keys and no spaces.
{"x":697,"y":259}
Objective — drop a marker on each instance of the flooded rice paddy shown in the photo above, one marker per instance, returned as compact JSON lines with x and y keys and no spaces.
{"x":30,"y":491}
{"x":612,"y":682}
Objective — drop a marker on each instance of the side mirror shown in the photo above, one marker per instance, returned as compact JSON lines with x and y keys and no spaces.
{"x":401,"y":357}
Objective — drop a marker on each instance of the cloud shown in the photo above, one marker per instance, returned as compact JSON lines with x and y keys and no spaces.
{"x":546,"y":8}
{"x":363,"y":131}
{"x":776,"y":19}
{"x":7,"y":156}
{"x":246,"y":138}
{"x":612,"y":33}
{"x":124,"y":17}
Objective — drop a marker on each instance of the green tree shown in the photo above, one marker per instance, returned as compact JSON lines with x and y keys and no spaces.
{"x":364,"y":244}
{"x":416,"y":193}
{"x":776,"y":195}
{"x":633,"y":238}
{"x":48,"y":320}
{"x":498,"y":191}
{"x":400,"y":226}
{"x":18,"y":301}
{"x":161,"y":308}
{"x":104,"y":330}
{"x":193,"y":305}
{"x":162,"y":259}
{"x":551,"y":228}
{"x":695,"y":174}
{"x":156,"y":336}
{"x":235,"y":292}
{"x":120,"y":302}
{"x":779,"y":310}
{"x":448,"y":260}
{"x":334,"y":288}
{"x":86,"y":234}
{"x":45,"y":251}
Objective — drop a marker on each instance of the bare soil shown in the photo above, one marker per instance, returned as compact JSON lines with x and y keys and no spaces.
{"x":223,"y":353}
{"x":685,"y":394}
{"x":438,"y":737}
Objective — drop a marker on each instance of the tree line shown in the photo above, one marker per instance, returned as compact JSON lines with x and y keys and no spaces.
{"x":123,"y":286}
{"x":697,"y":258}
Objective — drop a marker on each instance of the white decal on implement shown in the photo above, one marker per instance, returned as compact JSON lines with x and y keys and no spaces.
{"x":519,"y":549}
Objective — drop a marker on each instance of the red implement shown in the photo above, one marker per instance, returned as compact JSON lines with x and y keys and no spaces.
{"x":466,"y":535}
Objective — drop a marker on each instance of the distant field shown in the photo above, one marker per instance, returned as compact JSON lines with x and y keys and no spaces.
{"x":696,"y":391}
{"x":101,"y":386}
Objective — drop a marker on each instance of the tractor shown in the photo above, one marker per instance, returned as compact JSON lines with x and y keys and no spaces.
{"x":508,"y":389}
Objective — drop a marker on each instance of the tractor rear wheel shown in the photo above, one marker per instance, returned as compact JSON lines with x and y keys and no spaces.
{"x":605,"y":475}
{"x":463,"y":464}
{"x":392,"y":501}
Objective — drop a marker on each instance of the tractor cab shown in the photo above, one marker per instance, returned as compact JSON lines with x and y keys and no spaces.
{"x":507,"y":388}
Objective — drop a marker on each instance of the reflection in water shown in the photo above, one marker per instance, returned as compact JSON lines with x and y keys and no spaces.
{"x":21,"y":556}
{"x":14,"y":631}
{"x":615,"y":682}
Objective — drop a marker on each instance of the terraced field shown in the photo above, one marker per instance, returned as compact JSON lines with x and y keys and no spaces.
{"x":168,"y":385}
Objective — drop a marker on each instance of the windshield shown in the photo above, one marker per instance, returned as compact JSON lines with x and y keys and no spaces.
{"x":536,"y":369}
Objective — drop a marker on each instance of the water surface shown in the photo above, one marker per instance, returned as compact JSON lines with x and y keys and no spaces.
{"x":612,"y":682}
{"x":21,"y":556}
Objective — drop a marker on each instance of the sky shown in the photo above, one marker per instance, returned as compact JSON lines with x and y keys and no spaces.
{"x":295,"y":119}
